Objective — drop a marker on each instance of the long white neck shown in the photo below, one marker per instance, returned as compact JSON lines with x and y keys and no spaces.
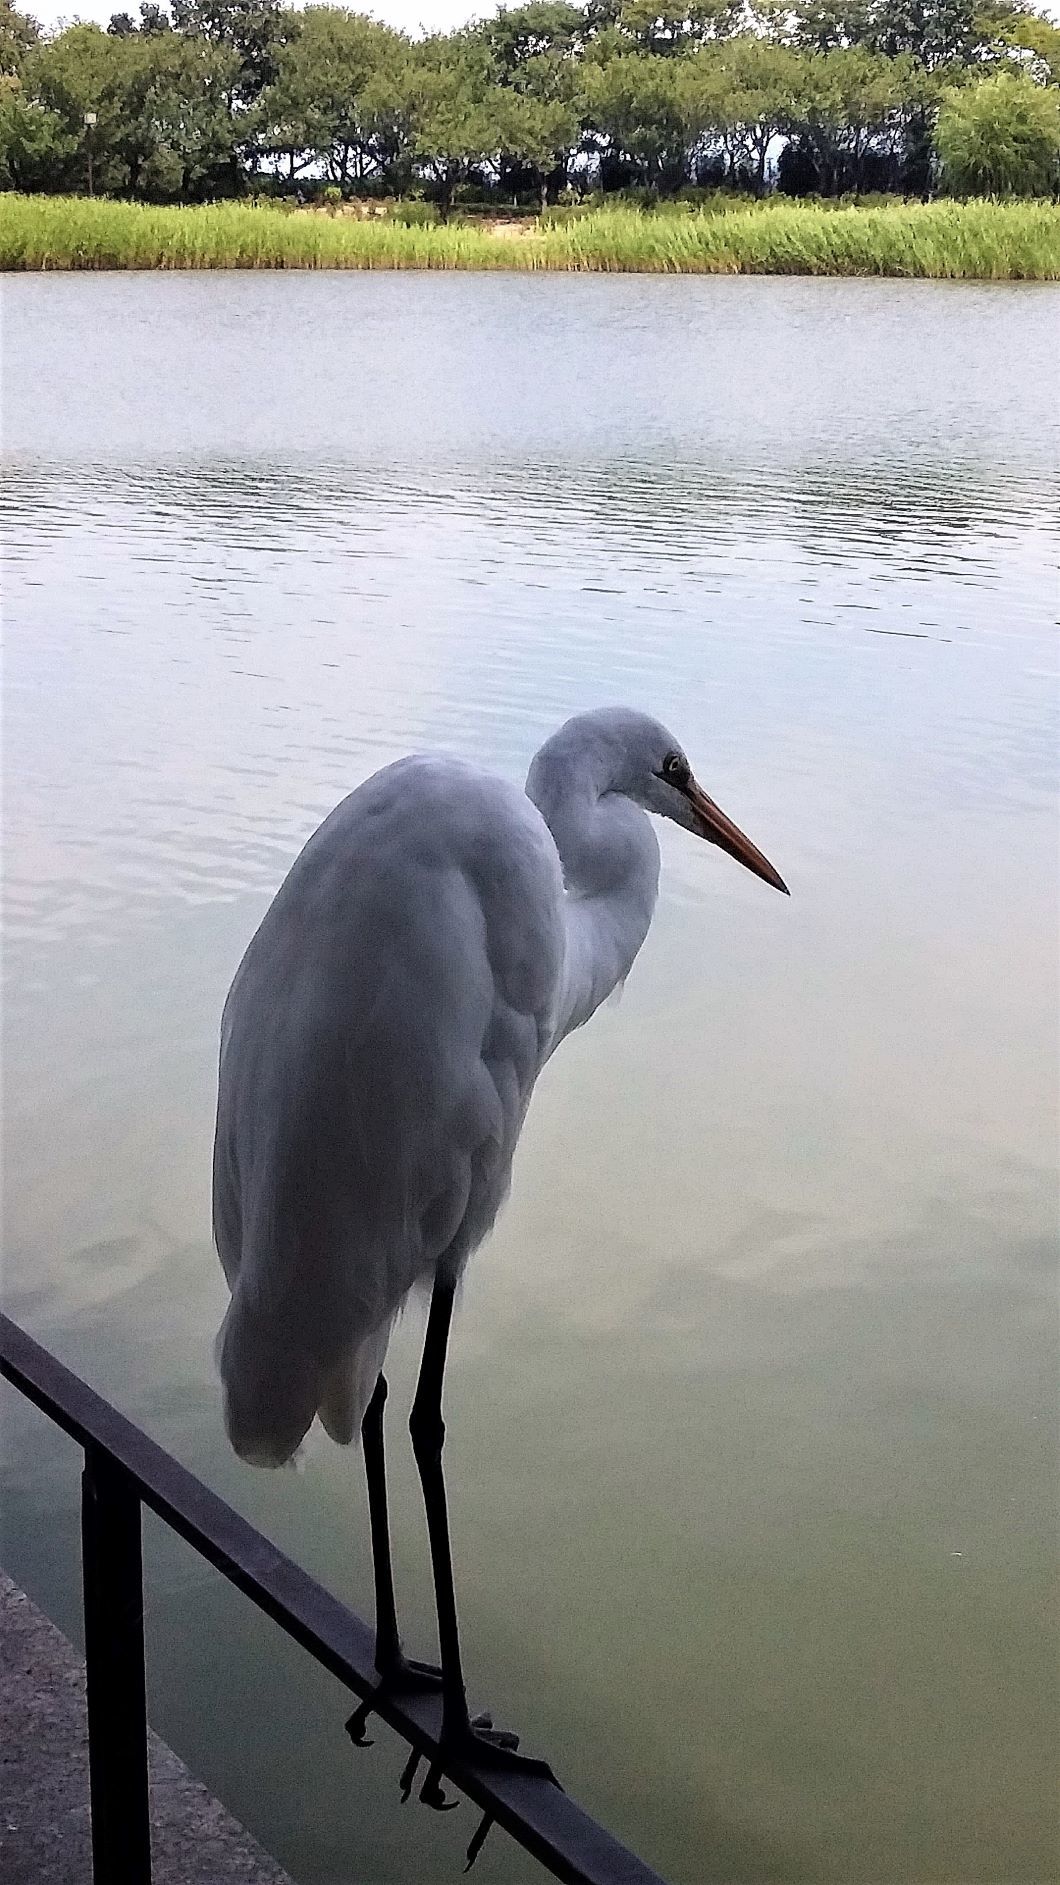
{"x":610,"y":859}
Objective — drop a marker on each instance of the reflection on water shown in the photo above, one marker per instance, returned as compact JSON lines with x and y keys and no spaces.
{"x":752,"y":1395}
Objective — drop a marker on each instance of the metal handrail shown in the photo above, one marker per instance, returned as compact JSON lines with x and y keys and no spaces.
{"x":125,"y":1469}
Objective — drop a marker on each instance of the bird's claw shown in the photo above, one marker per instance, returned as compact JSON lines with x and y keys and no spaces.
{"x":476,"y":1744}
{"x":431,"y":1793}
{"x":478,"y":1840}
{"x":357,"y":1724}
{"x":409,"y":1775}
{"x":402,"y":1676}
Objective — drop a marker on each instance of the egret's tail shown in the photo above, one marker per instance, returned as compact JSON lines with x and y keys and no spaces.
{"x":274,"y":1386}
{"x":349,"y":1387}
{"x":271,"y":1386}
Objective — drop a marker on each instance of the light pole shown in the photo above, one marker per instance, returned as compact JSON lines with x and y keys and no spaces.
{"x":90,"y":123}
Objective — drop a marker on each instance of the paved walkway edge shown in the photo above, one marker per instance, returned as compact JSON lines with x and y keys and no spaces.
{"x":45,"y":1834}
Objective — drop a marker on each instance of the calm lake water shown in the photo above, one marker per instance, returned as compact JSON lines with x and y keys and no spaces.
{"x":752,"y":1395}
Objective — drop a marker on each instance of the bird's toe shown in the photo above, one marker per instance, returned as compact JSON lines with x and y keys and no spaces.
{"x":483,"y":1745}
{"x":402,"y":1675}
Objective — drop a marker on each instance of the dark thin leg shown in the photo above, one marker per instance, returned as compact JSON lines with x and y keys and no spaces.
{"x":476,"y":1740}
{"x":396,"y":1670}
{"x":387,"y":1640}
{"x":428,"y":1436}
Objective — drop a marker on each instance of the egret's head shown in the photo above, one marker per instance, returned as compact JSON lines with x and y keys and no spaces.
{"x":633,"y":754}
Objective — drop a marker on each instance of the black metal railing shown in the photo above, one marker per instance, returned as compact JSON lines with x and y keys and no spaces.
{"x":125,"y":1470}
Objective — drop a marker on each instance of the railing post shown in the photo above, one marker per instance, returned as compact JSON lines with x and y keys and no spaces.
{"x":112,"y":1563}
{"x":125,"y":1470}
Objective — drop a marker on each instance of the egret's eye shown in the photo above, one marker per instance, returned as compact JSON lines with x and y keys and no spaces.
{"x":676,"y":769}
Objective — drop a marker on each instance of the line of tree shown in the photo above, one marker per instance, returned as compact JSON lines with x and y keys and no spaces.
{"x":214,"y":98}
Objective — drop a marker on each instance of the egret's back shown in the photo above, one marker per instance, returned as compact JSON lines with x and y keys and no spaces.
{"x":378,"y":1049}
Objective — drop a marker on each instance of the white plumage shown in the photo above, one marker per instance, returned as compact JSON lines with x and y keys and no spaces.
{"x":433,"y":942}
{"x":378,"y":1050}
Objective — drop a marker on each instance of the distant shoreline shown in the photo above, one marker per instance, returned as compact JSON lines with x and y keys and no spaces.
{"x":943,"y":240}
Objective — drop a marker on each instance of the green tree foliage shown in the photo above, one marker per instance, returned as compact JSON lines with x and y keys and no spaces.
{"x":644,"y":26}
{"x":534,"y":134}
{"x":534,"y":54}
{"x":940,"y":34}
{"x":531,"y":46}
{"x":1038,"y":39}
{"x":462,"y":118}
{"x":334,"y":79}
{"x":201,"y":98}
{"x":162,"y":103}
{"x":153,"y":19}
{"x":827,"y":25}
{"x":36,"y":149}
{"x":937,"y":33}
{"x":740,"y":94}
{"x":636,"y":107}
{"x":189,"y":142}
{"x":850,"y":101}
{"x":1001,"y":138}
{"x":18,"y":32}
{"x":74,"y":78}
{"x":253,"y":30}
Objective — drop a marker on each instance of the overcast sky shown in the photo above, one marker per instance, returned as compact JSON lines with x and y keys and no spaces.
{"x":412,"y":15}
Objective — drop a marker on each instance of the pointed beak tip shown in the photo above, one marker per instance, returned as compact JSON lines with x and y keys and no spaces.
{"x":718,"y":828}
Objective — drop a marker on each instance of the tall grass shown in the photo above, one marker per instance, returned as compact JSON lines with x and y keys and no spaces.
{"x":981,"y":241}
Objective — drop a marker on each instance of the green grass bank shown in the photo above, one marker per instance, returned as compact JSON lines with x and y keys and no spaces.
{"x":982,"y":241}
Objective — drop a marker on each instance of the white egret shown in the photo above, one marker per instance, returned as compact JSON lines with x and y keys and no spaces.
{"x":433,"y":943}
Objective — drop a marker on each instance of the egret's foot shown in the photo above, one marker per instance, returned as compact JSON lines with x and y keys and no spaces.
{"x":480,"y":1744}
{"x":402,"y":1675}
{"x":431,"y":1792}
{"x":405,"y":1675}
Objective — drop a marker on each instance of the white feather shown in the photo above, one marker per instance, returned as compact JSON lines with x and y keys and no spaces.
{"x":437,"y":937}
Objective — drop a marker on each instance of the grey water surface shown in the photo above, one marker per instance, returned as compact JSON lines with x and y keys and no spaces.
{"x":751,"y":1406}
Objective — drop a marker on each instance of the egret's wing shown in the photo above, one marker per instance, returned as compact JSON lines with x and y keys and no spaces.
{"x":379,"y":1046}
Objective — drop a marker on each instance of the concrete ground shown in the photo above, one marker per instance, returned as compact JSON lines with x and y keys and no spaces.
{"x":44,"y":1820}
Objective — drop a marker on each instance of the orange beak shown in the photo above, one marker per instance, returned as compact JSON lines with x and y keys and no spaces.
{"x":712,"y":824}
